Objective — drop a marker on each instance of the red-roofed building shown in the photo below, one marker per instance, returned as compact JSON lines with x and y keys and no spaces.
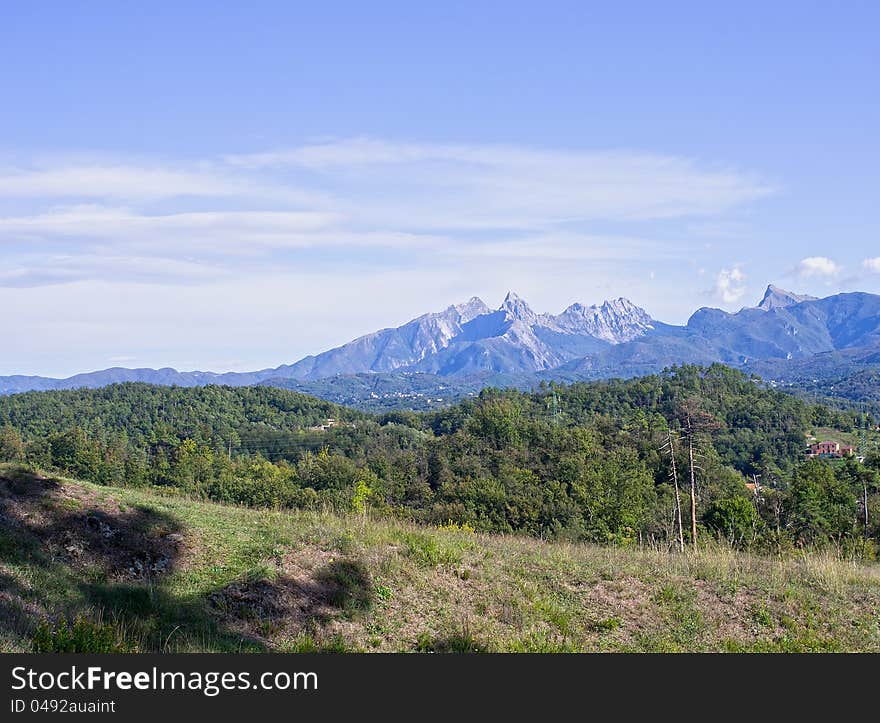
{"x":834,"y":450}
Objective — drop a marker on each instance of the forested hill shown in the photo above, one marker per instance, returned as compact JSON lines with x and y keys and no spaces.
{"x":142,"y":412}
{"x":753,"y":427}
{"x":586,"y":461}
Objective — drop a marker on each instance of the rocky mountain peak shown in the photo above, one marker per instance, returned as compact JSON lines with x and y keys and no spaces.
{"x":517,"y":309}
{"x":616,"y":321}
{"x":777,"y":298}
{"x":471,"y":309}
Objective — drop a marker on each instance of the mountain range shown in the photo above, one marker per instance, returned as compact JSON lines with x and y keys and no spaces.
{"x":469,"y":345}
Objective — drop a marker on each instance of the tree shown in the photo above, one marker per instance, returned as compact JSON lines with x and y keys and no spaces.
{"x":733,"y":517}
{"x":670,"y":447}
{"x":696,"y":422}
{"x":822,"y":506}
{"x":11,"y":445}
{"x":861,"y":481}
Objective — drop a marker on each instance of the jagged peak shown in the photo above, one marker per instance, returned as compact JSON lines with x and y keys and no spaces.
{"x":471,"y":308}
{"x":621,"y":301}
{"x":614,"y":320}
{"x":517,"y":307}
{"x":620,"y":304}
{"x":473,"y":301}
{"x":777,"y":298}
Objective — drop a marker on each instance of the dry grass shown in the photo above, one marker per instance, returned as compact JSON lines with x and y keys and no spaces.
{"x":299,"y":581}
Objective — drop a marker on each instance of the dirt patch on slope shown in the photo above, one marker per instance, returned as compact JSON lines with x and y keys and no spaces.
{"x":312,"y":592}
{"x":86,"y":530}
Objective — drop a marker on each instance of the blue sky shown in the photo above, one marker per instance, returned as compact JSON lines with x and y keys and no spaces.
{"x":233,"y":189}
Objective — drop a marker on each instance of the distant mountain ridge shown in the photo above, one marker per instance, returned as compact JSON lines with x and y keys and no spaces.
{"x":471,"y":337}
{"x":613,"y":339}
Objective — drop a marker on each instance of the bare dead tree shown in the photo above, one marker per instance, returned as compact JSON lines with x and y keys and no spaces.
{"x":696,"y":421}
{"x":693,"y":481}
{"x":670,"y":446}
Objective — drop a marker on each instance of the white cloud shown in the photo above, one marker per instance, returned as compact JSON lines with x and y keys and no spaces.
{"x":106,"y":180}
{"x":729,"y":286}
{"x":362,"y":196}
{"x":818,"y":266}
{"x":504,"y":186}
{"x":52,"y":270}
{"x":872,"y":265}
{"x":220,"y":230}
{"x":358,"y":193}
{"x":410,"y":185}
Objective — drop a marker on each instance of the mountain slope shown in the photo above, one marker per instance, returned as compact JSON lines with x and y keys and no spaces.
{"x":778,"y":333}
{"x":390,"y":349}
{"x":614,"y":339}
{"x":471,"y":338}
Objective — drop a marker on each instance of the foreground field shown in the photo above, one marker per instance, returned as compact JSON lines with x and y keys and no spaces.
{"x":160,"y":572}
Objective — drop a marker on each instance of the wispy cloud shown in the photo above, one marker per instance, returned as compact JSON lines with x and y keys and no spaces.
{"x":96,"y":219}
{"x":52,"y":270}
{"x":102,"y":179}
{"x":183,"y":231}
{"x":410,"y":184}
{"x":504,"y":186}
{"x":872,"y":265}
{"x":360,"y":195}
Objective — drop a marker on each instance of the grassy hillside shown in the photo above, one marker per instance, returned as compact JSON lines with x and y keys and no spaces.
{"x":166,"y":573}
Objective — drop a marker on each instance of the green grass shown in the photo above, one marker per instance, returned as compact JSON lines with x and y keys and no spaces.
{"x":255,"y":580}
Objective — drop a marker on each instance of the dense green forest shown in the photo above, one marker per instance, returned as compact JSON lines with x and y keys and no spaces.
{"x":604,"y":461}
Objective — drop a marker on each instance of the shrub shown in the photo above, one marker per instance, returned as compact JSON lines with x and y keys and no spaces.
{"x":733,"y":517}
{"x":427,"y":551}
{"x":81,"y":636}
